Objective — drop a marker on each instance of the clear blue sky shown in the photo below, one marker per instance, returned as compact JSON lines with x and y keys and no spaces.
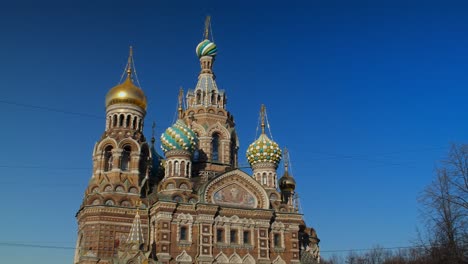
{"x":367,"y":96}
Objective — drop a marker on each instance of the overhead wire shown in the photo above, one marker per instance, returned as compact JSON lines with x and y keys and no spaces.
{"x":19,"y":244}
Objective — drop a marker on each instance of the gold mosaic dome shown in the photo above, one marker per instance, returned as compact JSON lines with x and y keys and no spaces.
{"x":264,"y":150}
{"x":127,"y":93}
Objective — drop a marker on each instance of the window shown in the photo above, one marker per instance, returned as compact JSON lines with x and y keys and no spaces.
{"x":233,"y":152}
{"x":183,"y":233}
{"x":108,"y":160}
{"x":233,"y":236}
{"x":215,"y":147}
{"x":246,"y":237}
{"x":219,"y":235}
{"x":198,"y":97}
{"x":177,"y":168}
{"x":276,"y":240}
{"x":125,"y":160}
{"x":121,"y":120}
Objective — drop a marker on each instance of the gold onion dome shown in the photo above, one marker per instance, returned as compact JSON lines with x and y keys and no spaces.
{"x":264,"y":150}
{"x":126,"y":93}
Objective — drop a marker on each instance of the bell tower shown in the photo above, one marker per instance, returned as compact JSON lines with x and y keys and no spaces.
{"x":122,"y":161}
{"x":207,"y":116}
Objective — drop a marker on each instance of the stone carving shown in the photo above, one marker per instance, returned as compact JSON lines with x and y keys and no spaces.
{"x":184,"y":258}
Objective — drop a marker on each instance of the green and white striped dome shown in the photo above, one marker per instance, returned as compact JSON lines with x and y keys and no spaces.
{"x":206,"y":48}
{"x":179,"y":137}
{"x":264,"y":150}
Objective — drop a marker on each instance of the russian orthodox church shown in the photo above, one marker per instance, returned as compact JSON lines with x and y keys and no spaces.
{"x":193,"y":204}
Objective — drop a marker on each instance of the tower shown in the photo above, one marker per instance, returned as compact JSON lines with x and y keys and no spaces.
{"x":206,"y":114}
{"x":287,"y":184}
{"x":178,"y":143}
{"x":121,"y":164}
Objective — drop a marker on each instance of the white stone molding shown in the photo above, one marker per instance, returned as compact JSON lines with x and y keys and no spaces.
{"x":279,"y":260}
{"x":221,"y":258}
{"x":235,"y":258}
{"x":184,"y":258}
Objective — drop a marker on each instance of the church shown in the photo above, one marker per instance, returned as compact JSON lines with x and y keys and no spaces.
{"x":191,"y":203}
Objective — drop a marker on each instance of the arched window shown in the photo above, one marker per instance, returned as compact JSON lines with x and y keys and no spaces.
{"x":134,"y":122}
{"x":264,"y":179}
{"x":125,"y":160}
{"x":140,"y":125}
{"x":128,"y":121}
{"x":215,"y":147}
{"x":198,"y":97}
{"x":176,"y":168}
{"x":108,"y":159}
{"x":213,"y":97}
{"x":121,"y":120}
{"x":232,"y":151}
{"x":182,"y":169}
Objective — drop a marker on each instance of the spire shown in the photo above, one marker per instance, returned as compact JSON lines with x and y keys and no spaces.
{"x":129,"y":63}
{"x":136,"y":232}
{"x":180,"y":108}
{"x":262,"y":117}
{"x":286,"y":160}
{"x":207,"y":27}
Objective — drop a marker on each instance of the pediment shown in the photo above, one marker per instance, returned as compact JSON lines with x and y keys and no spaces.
{"x":236,"y":189}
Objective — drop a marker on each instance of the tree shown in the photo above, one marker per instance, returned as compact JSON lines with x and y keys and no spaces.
{"x":445,"y":208}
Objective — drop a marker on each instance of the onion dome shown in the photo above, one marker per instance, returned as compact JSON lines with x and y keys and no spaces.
{"x":126,"y":92}
{"x":179,"y":137}
{"x":287,"y":182}
{"x":206,"y":48}
{"x":264,"y":150}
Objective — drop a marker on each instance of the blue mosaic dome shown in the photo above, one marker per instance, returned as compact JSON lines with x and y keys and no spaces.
{"x":179,"y":137}
{"x":264,"y":150}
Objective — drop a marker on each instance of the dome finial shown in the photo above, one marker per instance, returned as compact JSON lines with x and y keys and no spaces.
{"x":286,"y":160}
{"x":181,"y":96}
{"x":207,"y":27}
{"x":130,"y":62}
{"x":262,"y":116}
{"x":207,"y":47}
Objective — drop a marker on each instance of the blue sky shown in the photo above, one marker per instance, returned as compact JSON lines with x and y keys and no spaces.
{"x":366,"y":95}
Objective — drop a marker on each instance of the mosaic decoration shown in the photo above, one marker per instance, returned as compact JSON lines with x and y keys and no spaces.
{"x":206,"y":48}
{"x":264,"y":150}
{"x":179,"y":137}
{"x":236,"y":196}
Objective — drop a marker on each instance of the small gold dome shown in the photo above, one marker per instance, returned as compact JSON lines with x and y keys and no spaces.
{"x":126,"y":92}
{"x":287,"y":182}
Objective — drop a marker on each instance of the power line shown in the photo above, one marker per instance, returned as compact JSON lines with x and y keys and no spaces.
{"x":18,"y":244}
{"x":43,"y":167}
{"x":49,"y":109}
